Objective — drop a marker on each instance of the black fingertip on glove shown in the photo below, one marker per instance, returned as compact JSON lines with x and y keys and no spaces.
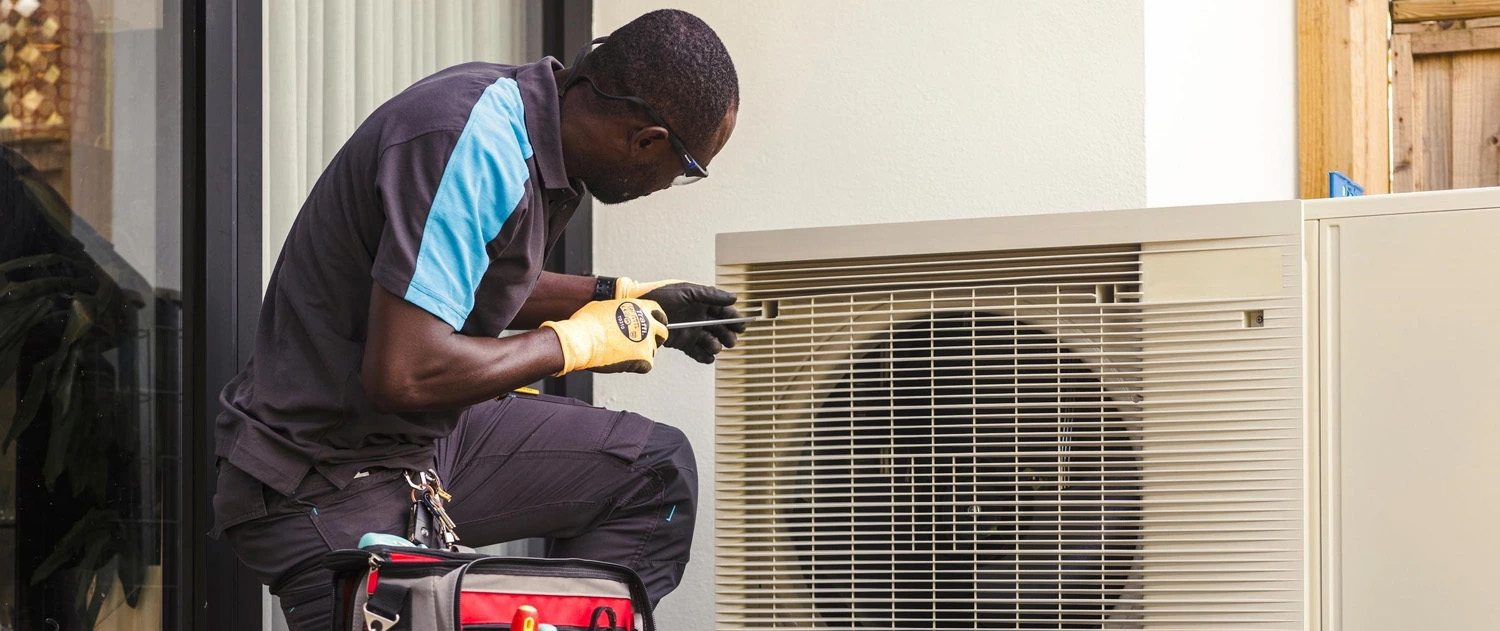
{"x":712,"y":296}
{"x":729,"y":330}
{"x":697,"y":344}
{"x":662,"y":318}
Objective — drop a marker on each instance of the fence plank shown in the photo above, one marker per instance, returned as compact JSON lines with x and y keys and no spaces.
{"x":1343,"y":102}
{"x":1432,"y":103}
{"x":1424,"y":10}
{"x":1476,"y":120}
{"x":1427,"y":27}
{"x":1455,"y":41}
{"x":1403,"y":100}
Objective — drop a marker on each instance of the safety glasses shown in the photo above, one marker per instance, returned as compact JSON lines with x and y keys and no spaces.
{"x":691,"y":170}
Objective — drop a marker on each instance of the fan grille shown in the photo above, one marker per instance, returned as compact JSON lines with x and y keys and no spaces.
{"x":1006,"y":440}
{"x":999,"y":511}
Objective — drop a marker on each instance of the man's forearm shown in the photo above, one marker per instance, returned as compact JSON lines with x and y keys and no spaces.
{"x":555,"y":297}
{"x":482,"y":368}
{"x":414,"y":362}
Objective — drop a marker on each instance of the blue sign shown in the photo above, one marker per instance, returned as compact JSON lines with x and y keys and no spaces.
{"x":1339,"y":185}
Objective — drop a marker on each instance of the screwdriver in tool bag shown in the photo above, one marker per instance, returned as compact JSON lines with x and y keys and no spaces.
{"x":524,"y":620}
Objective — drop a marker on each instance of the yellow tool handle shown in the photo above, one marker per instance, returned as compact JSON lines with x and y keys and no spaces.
{"x":521,"y":390}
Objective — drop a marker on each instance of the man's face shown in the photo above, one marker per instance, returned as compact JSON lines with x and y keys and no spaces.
{"x":654,"y":171}
{"x":625,"y":182}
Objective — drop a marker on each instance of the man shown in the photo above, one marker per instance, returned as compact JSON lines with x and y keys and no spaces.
{"x":378,"y":354}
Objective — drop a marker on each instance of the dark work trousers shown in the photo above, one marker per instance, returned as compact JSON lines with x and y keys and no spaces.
{"x":603,"y":485}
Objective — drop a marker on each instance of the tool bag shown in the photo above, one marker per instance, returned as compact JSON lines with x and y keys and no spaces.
{"x":387,"y":588}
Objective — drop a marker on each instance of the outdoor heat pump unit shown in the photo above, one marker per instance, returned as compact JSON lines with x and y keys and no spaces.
{"x":1252,"y":416}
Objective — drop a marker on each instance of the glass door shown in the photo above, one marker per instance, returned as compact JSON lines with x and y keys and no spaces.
{"x":91,"y":363}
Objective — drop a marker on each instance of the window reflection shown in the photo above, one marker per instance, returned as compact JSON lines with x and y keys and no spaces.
{"x":90,"y":304}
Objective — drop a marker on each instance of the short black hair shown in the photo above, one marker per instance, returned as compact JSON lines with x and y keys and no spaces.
{"x":675,"y":62}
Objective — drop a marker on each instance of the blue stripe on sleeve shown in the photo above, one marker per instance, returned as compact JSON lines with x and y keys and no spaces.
{"x":482,"y":183}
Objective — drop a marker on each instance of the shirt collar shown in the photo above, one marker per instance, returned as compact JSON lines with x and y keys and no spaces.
{"x":544,"y":121}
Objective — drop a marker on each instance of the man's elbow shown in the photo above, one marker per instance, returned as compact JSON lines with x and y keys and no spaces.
{"x":392,"y":394}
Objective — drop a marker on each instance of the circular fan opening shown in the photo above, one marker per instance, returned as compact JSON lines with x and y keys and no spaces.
{"x":968,"y":472}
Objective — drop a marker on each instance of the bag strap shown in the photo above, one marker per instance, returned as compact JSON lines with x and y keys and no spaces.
{"x":594,"y":619}
{"x":383,"y":609}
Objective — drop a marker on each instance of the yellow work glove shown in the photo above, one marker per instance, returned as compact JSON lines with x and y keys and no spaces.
{"x":683,"y":301}
{"x":611,"y":336}
{"x":627,"y":288}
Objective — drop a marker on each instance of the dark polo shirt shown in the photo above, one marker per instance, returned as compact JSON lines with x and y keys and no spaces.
{"x":449,"y":195}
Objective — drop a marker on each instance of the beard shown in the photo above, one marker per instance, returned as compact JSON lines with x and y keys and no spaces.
{"x":623,"y":185}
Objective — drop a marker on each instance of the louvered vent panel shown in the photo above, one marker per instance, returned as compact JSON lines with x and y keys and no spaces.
{"x":1019,"y":439}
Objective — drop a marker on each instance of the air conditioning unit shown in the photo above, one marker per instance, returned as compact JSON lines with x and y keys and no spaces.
{"x":1252,"y":416}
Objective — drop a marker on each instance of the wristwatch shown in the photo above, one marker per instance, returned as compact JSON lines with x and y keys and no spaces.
{"x":604,"y":288}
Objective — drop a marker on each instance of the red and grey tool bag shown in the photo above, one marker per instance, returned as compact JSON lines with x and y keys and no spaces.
{"x":384,"y":588}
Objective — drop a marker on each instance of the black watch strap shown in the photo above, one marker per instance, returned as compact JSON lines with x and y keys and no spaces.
{"x":604,"y":288}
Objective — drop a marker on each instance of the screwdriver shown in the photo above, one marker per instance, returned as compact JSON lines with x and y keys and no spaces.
{"x":688,"y":325}
{"x":524,"y":619}
{"x":768,"y":311}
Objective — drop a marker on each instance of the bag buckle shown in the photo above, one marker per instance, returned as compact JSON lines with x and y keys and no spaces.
{"x":377,"y":622}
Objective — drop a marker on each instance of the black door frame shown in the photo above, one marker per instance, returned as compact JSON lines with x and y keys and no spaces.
{"x":222,"y":253}
{"x":222,"y":217}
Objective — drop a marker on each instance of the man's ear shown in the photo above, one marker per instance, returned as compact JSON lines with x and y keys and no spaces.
{"x":647,"y":139}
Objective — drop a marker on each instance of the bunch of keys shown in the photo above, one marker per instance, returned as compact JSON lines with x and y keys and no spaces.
{"x":428,"y":515}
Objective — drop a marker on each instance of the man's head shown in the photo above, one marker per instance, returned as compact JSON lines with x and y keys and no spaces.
{"x":662,"y":74}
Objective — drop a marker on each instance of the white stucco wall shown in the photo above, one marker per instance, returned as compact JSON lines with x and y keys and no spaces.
{"x":887,"y":110}
{"x":878,"y":111}
{"x":1221,"y":101}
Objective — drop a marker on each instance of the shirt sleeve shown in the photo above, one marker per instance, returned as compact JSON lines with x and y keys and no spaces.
{"x":446,"y":195}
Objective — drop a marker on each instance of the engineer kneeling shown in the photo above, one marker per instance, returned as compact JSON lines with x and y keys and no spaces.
{"x":378,"y":351}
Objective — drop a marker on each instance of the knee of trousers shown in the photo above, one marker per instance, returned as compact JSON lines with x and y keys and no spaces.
{"x":670,"y":455}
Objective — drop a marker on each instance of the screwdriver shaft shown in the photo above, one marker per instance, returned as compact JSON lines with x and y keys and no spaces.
{"x":688,"y":325}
